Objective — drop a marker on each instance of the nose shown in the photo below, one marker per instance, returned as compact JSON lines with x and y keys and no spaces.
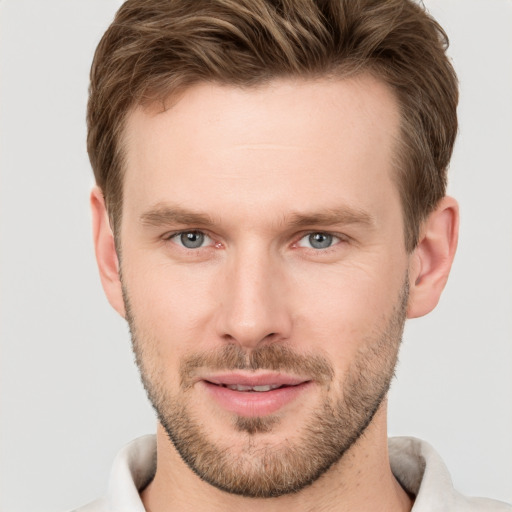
{"x":254,"y":305}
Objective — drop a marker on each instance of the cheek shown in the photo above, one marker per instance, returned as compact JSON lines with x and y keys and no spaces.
{"x":172,"y":305}
{"x":170,"y":314}
{"x":346,"y":308}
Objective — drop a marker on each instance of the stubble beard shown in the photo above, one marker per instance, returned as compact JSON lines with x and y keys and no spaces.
{"x":259,"y":469}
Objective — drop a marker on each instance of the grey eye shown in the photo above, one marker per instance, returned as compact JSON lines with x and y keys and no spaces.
{"x":320,"y":240}
{"x":191,"y":239}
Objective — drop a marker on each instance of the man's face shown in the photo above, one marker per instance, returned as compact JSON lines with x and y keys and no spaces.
{"x":264,"y":273}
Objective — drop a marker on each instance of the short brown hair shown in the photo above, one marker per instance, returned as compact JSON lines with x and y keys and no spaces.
{"x":157,"y":48}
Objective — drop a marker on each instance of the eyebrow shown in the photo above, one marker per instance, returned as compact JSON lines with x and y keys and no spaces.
{"x":332,"y":216}
{"x":163,"y":215}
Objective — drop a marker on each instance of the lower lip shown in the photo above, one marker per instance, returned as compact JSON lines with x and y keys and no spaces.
{"x":255,"y":403}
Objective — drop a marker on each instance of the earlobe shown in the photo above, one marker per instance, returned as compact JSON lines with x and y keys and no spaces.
{"x":432,"y":259}
{"x":106,"y":255}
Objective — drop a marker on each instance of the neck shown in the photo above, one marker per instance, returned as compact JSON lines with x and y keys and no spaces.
{"x":361,"y":481}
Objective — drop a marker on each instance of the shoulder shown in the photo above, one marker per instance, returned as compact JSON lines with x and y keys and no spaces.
{"x":421,"y":471}
{"x":133,"y":467}
{"x":96,"y":506}
{"x":483,"y":505}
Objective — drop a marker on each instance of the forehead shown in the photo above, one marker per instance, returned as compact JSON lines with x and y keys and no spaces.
{"x":280,"y":143}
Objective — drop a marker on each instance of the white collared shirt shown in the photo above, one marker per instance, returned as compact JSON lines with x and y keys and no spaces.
{"x":415,"y":464}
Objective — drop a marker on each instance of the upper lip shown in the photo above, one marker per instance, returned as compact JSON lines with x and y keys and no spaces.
{"x":258,"y":379}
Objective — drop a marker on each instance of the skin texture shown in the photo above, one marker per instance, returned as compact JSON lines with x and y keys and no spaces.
{"x":259,"y":466}
{"x":257,"y":171}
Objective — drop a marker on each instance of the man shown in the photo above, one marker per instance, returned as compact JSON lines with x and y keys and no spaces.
{"x":270,"y":207}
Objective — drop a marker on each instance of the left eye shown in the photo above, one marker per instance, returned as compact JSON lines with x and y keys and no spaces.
{"x":318,"y":240}
{"x":191,"y":239}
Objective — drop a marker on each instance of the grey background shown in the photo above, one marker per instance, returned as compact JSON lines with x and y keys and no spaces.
{"x":70,"y":395}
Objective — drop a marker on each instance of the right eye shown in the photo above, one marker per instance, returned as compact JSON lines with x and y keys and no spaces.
{"x":191,"y":239}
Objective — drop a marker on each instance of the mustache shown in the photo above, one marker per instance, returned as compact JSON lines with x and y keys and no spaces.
{"x":273,"y":357}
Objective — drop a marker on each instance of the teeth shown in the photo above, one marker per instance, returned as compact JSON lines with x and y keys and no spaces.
{"x":240,"y":387}
{"x":265,"y":388}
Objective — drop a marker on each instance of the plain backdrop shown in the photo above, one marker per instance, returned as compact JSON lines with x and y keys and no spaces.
{"x":70,"y":393}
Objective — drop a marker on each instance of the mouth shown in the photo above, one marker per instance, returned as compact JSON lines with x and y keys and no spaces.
{"x":257,"y":389}
{"x":254,"y":395}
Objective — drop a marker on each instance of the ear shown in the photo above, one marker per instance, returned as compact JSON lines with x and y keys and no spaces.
{"x":432,"y":259}
{"x":106,"y":255}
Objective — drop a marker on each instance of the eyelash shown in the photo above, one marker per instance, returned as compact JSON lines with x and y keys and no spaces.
{"x":335,"y":240}
{"x":338,"y":238}
{"x":169,"y":237}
